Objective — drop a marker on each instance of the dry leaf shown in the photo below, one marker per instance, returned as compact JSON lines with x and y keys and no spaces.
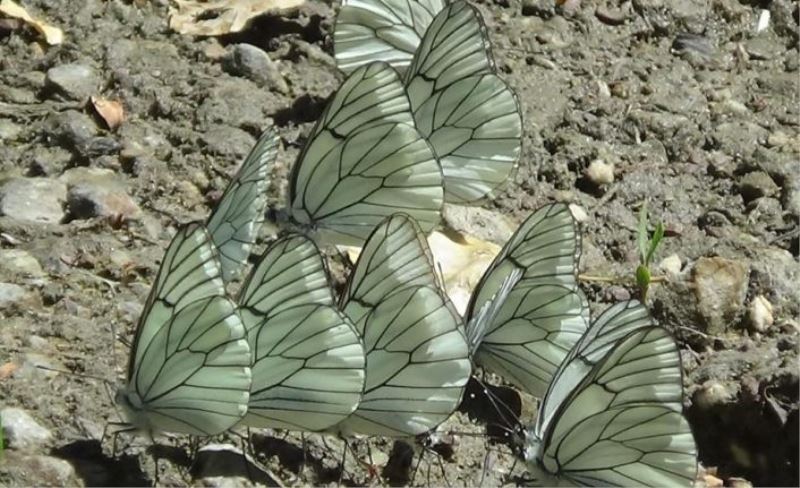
{"x":7,"y":370}
{"x":218,"y":17}
{"x":52,"y":35}
{"x":110,"y":111}
{"x":460,"y":259}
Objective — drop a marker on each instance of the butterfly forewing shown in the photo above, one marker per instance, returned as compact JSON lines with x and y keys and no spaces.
{"x":381,"y":30}
{"x":307,"y":359}
{"x":234,"y":222}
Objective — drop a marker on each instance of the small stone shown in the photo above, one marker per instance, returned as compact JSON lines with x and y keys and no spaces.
{"x":610,"y":16}
{"x":13,"y":295}
{"x":71,"y":129}
{"x":578,"y":213}
{"x":777,"y":139}
{"x":224,"y":140}
{"x":763,"y":21}
{"x":37,"y":200}
{"x":96,"y":192}
{"x":254,"y":64}
{"x":9,"y":130}
{"x":760,"y":314}
{"x":17,"y":261}
{"x":600,"y":173}
{"x":670,"y":265}
{"x":711,"y":394}
{"x":756,"y":185}
{"x":52,"y":471}
{"x":720,"y":289}
{"x":22,"y":431}
{"x":72,"y":81}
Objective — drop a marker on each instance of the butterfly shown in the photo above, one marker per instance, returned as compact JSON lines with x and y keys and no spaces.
{"x":613,"y":415}
{"x":307,"y":358}
{"x":189,"y":368}
{"x":468,"y":114}
{"x":417,"y":355}
{"x":527,"y":311}
{"x":234,"y":222}
{"x":364,"y":160}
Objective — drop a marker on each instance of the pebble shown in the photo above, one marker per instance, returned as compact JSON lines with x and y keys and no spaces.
{"x":72,"y":81}
{"x":254,"y":64}
{"x":760,"y":314}
{"x":711,"y":394}
{"x":21,"y":430}
{"x":778,"y":139}
{"x":227,"y":141}
{"x":578,"y":213}
{"x":671,"y":264}
{"x":9,"y":130}
{"x":600,"y":173}
{"x":720,"y":289}
{"x":756,"y":185}
{"x":610,"y":16}
{"x":97,"y":192}
{"x":17,"y":261}
{"x":37,"y":200}
{"x":11,"y":295}
{"x":71,"y":129}
{"x":51,"y":471}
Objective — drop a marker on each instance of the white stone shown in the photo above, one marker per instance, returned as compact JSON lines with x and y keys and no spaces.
{"x":600,"y":173}
{"x":712,"y":393}
{"x":38,"y":200}
{"x":578,"y":213}
{"x":22,"y":431}
{"x":763,"y":20}
{"x":671,"y":264}
{"x":18,"y":261}
{"x":760,"y":314}
{"x":11,"y":294}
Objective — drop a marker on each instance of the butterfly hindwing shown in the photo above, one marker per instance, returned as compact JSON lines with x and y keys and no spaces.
{"x":234,"y":222}
{"x":189,"y":367}
{"x":470,"y":116}
{"x":365,"y":160}
{"x":307,"y":359}
{"x":381,"y":30}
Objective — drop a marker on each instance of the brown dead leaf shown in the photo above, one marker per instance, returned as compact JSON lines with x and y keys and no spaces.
{"x":110,"y":111}
{"x":52,"y":35}
{"x":7,"y":370}
{"x":218,"y":17}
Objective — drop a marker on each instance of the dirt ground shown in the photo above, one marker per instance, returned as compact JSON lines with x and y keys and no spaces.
{"x":696,"y":109}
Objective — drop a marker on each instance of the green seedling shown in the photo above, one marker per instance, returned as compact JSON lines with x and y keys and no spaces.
{"x":647,"y":249}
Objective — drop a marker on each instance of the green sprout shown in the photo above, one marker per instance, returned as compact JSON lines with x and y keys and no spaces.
{"x":647,"y":249}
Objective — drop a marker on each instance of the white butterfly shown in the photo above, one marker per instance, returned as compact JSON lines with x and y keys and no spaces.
{"x":468,"y":114}
{"x":189,"y":369}
{"x":307,"y":358}
{"x":381,"y":30}
{"x":613,"y":414}
{"x":530,"y":323}
{"x":417,"y":356}
{"x":365,"y":160}
{"x":234,"y":222}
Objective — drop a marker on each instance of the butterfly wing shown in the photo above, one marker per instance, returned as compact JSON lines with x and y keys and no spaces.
{"x":307,"y":359}
{"x":365,"y":160}
{"x":417,"y":365}
{"x":234,"y":222}
{"x":381,"y":30}
{"x":545,"y":313}
{"x":396,"y":255}
{"x":189,"y":367}
{"x":623,"y":424}
{"x":469,"y":115}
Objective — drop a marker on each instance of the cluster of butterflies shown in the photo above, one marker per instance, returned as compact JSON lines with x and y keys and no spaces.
{"x":390,"y":356}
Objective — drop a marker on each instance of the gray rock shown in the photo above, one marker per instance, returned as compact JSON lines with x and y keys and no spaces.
{"x":23,"y":431}
{"x":739,"y":139}
{"x":720,"y":289}
{"x":756,"y":185}
{"x":254,"y":64}
{"x":9,"y":130}
{"x":52,"y":471}
{"x":72,"y":81}
{"x":17,"y":261}
{"x":223,"y":140}
{"x":38,"y":200}
{"x":97,"y":192}
{"x":71,"y":129}
{"x":13,"y":295}
{"x":47,"y":161}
